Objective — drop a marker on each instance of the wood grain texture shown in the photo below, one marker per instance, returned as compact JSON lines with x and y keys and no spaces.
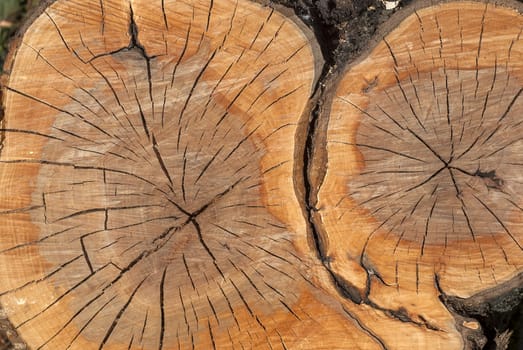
{"x":163,"y":188}
{"x":148,"y":165}
{"x":421,"y":195}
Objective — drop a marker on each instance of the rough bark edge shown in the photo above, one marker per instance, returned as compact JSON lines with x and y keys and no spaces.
{"x":407,"y":10}
{"x":12,"y":49}
{"x":495,"y":309}
{"x":9,"y":338}
{"x":305,"y":129}
{"x":313,"y":125}
{"x":16,"y":40}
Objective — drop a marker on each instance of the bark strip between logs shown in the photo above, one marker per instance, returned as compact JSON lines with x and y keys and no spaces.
{"x":147,"y":173}
{"x":153,"y":191}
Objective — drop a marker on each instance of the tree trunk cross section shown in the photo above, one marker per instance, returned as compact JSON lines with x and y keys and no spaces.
{"x":154,"y":185}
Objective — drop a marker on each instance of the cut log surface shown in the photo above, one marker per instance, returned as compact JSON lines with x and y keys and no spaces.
{"x":147,"y":167}
{"x":155,"y":182}
{"x":422,"y":192}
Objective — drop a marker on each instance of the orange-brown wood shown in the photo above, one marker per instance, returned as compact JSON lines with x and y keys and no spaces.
{"x":155,"y":193}
{"x":421,"y":195}
{"x":152,"y":192}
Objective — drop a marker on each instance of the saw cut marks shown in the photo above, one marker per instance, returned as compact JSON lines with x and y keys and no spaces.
{"x":147,"y":175}
{"x":422,"y":192}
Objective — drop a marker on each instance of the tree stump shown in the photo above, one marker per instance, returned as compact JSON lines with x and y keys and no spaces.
{"x":163,"y":186}
{"x":421,"y":195}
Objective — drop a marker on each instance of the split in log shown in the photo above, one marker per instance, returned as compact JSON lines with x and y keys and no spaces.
{"x":154,"y":185}
{"x":422,"y":190}
{"x":148,"y":173}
